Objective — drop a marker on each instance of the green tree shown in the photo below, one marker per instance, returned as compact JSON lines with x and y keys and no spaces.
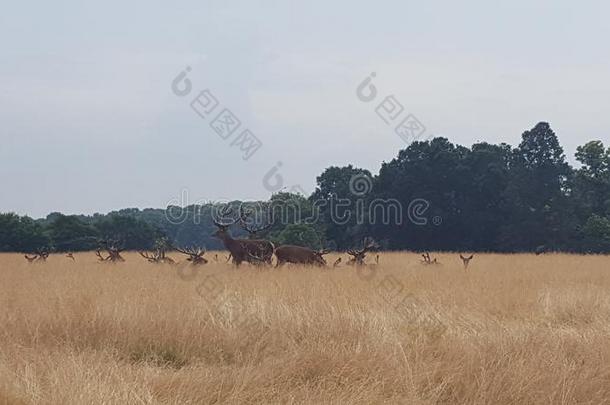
{"x":592,"y":180}
{"x":21,"y":234}
{"x":132,"y":233}
{"x":596,"y":233}
{"x":69,"y":233}
{"x":537,"y":208}
{"x":339,"y":192}
{"x":435,"y":174}
{"x":299,"y":235}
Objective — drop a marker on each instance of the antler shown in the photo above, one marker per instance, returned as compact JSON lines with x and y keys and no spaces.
{"x":113,"y":249}
{"x":191,"y":251}
{"x":257,"y":259}
{"x":195,"y":254}
{"x":148,"y":257}
{"x":243,"y":219}
{"x":98,"y":253}
{"x":31,"y":259}
{"x":225,"y":212}
{"x":358,"y":256}
{"x":368,"y":244}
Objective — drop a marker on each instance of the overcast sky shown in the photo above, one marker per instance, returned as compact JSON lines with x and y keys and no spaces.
{"x":89,"y":122}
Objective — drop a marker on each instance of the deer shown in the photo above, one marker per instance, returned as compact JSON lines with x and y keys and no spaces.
{"x":466,"y":260}
{"x":428,"y":261}
{"x":254,"y":251}
{"x":300,"y":255}
{"x":159,"y":255}
{"x":114,"y":252}
{"x":195,"y":255}
{"x":253,"y":232}
{"x":41,"y":255}
{"x":359,"y":255}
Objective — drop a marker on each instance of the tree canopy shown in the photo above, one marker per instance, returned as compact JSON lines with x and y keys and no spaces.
{"x":436,"y":195}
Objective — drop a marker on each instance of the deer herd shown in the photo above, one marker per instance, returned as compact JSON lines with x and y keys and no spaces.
{"x":252,"y":250}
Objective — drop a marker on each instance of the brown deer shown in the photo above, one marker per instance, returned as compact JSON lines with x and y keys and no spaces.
{"x":158,"y":257}
{"x":195,"y":255}
{"x":40,"y":256}
{"x":300,"y":255}
{"x":252,"y":251}
{"x":114,"y":252}
{"x":253,"y":231}
{"x":466,"y":260}
{"x":428,"y":261}
{"x":359,"y":255}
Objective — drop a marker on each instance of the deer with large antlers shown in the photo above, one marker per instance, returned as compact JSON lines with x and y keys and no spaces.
{"x":466,"y":260}
{"x":40,"y":256}
{"x":254,"y":251}
{"x":428,"y":260}
{"x":359,"y":255}
{"x":159,"y":255}
{"x":195,"y":255}
{"x":114,"y":252}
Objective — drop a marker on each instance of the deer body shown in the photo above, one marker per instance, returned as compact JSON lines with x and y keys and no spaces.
{"x":254,"y":251}
{"x":299,"y":255}
{"x":251,"y":250}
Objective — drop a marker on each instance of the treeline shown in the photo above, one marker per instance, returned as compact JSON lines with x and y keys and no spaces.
{"x":483,"y":198}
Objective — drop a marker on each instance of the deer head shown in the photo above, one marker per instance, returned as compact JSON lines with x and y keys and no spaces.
{"x":320,"y":256}
{"x":242,"y":250}
{"x":224,"y":222}
{"x":466,"y":260}
{"x":195,"y":255}
{"x":358,"y":256}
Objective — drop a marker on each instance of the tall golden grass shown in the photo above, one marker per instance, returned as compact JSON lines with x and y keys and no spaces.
{"x":511,"y":329}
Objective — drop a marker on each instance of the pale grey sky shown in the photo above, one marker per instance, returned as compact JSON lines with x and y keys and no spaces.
{"x":89,"y":122}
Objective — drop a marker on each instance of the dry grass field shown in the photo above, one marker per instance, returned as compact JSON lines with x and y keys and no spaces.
{"x":511,"y":329}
